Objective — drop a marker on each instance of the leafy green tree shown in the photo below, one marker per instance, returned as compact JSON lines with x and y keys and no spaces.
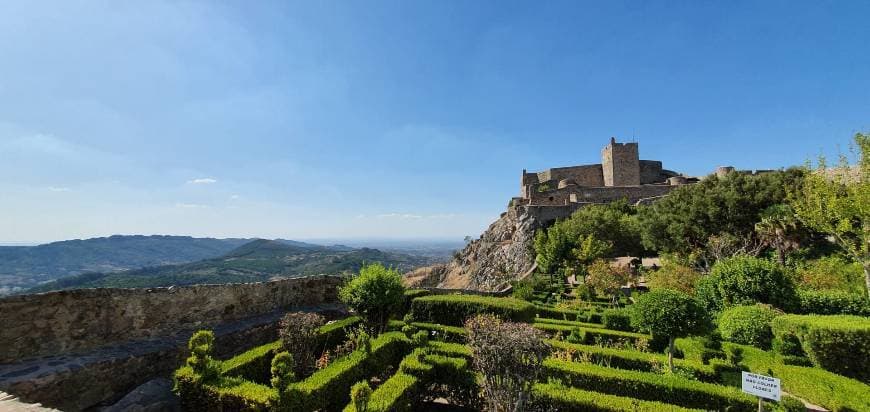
{"x":608,"y":279}
{"x":674,"y":276}
{"x":374,"y":294}
{"x":685,"y":220}
{"x":669,"y":313}
{"x":588,"y":250}
{"x":837,"y":202}
{"x":552,"y":248}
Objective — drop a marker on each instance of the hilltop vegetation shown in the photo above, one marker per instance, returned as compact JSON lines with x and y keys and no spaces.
{"x":256,"y":261}
{"x":22,"y":267}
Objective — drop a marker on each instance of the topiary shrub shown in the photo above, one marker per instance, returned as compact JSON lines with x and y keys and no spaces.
{"x":282,"y":371}
{"x":617,"y":319}
{"x":665,"y":312}
{"x":374,"y":294}
{"x":200,"y":361}
{"x":747,"y":325}
{"x":299,"y":336}
{"x":360,"y":393}
{"x":746,"y":280}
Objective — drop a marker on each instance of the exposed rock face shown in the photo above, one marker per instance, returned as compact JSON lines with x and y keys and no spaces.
{"x":504,"y":252}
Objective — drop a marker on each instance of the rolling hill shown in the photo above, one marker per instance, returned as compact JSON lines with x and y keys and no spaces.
{"x":258,"y":260}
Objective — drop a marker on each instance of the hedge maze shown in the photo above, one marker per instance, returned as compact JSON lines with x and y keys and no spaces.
{"x":422,"y":359}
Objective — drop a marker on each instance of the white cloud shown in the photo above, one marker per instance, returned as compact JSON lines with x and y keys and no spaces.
{"x":403,"y":216}
{"x":190,"y":206}
{"x":59,"y":189}
{"x":202,"y":181}
{"x":234,"y":197}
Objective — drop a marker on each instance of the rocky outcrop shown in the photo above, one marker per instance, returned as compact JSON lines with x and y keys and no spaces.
{"x":504,"y":252}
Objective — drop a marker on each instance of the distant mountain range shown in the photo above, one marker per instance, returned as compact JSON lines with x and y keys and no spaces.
{"x":147,"y":261}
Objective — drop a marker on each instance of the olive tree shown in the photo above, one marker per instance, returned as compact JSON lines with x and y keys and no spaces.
{"x":670,"y":313}
{"x":374,"y":294}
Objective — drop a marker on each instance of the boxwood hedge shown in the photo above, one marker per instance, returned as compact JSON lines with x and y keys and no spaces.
{"x":555,"y":397}
{"x":453,"y":310}
{"x":838,"y":343}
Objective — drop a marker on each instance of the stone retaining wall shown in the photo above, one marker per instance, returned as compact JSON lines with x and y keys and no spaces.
{"x":62,"y":322}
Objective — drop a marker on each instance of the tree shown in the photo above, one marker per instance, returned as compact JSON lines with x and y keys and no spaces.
{"x":509,"y":357}
{"x":588,"y":250}
{"x":608,"y":279}
{"x":684,"y":221}
{"x":299,"y":332}
{"x":669,"y":313}
{"x":552,"y":248}
{"x":837,"y":202}
{"x":780,"y":229}
{"x":674,"y":276}
{"x":374,"y":294}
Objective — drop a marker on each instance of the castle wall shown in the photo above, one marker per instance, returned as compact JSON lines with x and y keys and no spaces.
{"x":586,"y":175}
{"x":610,"y":194}
{"x":651,"y":172}
{"x":69,"y":321}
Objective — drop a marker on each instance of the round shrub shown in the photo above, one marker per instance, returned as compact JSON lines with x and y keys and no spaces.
{"x":747,"y":325}
{"x":746,"y":280}
{"x":669,"y":313}
{"x":374,"y":294}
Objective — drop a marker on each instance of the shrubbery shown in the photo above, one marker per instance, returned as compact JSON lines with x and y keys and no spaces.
{"x":665,"y":312}
{"x":747,"y":325}
{"x":832,"y":273}
{"x":509,"y":356}
{"x":617,"y":319}
{"x":299,"y":334}
{"x":674,"y":276}
{"x":840,"y":344}
{"x":374,"y":294}
{"x":746,"y":280}
{"x":833,"y":302}
{"x":455,"y":309}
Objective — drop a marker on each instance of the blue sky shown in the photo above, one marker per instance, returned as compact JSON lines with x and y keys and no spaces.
{"x":402,"y":119}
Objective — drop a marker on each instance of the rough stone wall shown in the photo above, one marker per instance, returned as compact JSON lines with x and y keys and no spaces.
{"x":61,"y":322}
{"x":585,"y":175}
{"x":610,"y":194}
{"x":651,"y":172}
{"x":620,"y":164}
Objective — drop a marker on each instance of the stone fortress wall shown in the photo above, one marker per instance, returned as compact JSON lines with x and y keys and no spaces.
{"x":79,"y":348}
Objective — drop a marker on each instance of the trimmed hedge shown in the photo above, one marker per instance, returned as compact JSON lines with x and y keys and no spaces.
{"x":643,"y":361}
{"x":838,"y":343}
{"x":833,"y":302}
{"x":747,"y":325}
{"x":252,"y":365}
{"x":555,"y":397}
{"x":834,"y":392}
{"x":453,"y":310}
{"x":327,"y":389}
{"x":409,"y":297}
{"x":649,"y":386}
{"x":617,"y":319}
{"x":568,"y":323}
{"x":224,"y":393}
{"x":443,"y":332}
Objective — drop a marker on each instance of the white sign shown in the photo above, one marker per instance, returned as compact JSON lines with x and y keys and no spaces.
{"x":760,"y":385}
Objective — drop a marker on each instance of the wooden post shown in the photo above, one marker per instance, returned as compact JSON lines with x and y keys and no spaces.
{"x":760,"y":404}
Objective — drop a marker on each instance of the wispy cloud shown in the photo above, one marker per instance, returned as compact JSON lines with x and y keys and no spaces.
{"x":59,"y":189}
{"x":234,"y":197}
{"x":202,"y":181}
{"x":190,"y":206}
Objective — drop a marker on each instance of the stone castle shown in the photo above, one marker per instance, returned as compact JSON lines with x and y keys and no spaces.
{"x":620,"y":175}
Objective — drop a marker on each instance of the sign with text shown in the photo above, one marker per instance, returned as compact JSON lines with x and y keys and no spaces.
{"x":760,"y":385}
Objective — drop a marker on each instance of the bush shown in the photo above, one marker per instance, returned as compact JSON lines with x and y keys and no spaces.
{"x":360,"y":393}
{"x":746,"y":280}
{"x":299,"y":335}
{"x":617,"y":319}
{"x":840,"y":343}
{"x":747,"y":325}
{"x":282,"y":371}
{"x":409,"y":297}
{"x":833,"y":302}
{"x":668,"y":313}
{"x":200,"y":361}
{"x":252,"y":364}
{"x":674,"y":276}
{"x":649,"y":386}
{"x":509,"y":356}
{"x":833,"y":273}
{"x":555,"y":397}
{"x":455,"y":309}
{"x":374,"y":294}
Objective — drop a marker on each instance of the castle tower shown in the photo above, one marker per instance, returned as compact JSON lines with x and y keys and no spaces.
{"x":621,"y":164}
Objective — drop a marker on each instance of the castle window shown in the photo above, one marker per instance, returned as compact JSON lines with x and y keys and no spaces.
{"x":551,"y":198}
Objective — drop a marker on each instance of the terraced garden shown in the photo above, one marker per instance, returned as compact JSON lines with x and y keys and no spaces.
{"x":422,"y":362}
